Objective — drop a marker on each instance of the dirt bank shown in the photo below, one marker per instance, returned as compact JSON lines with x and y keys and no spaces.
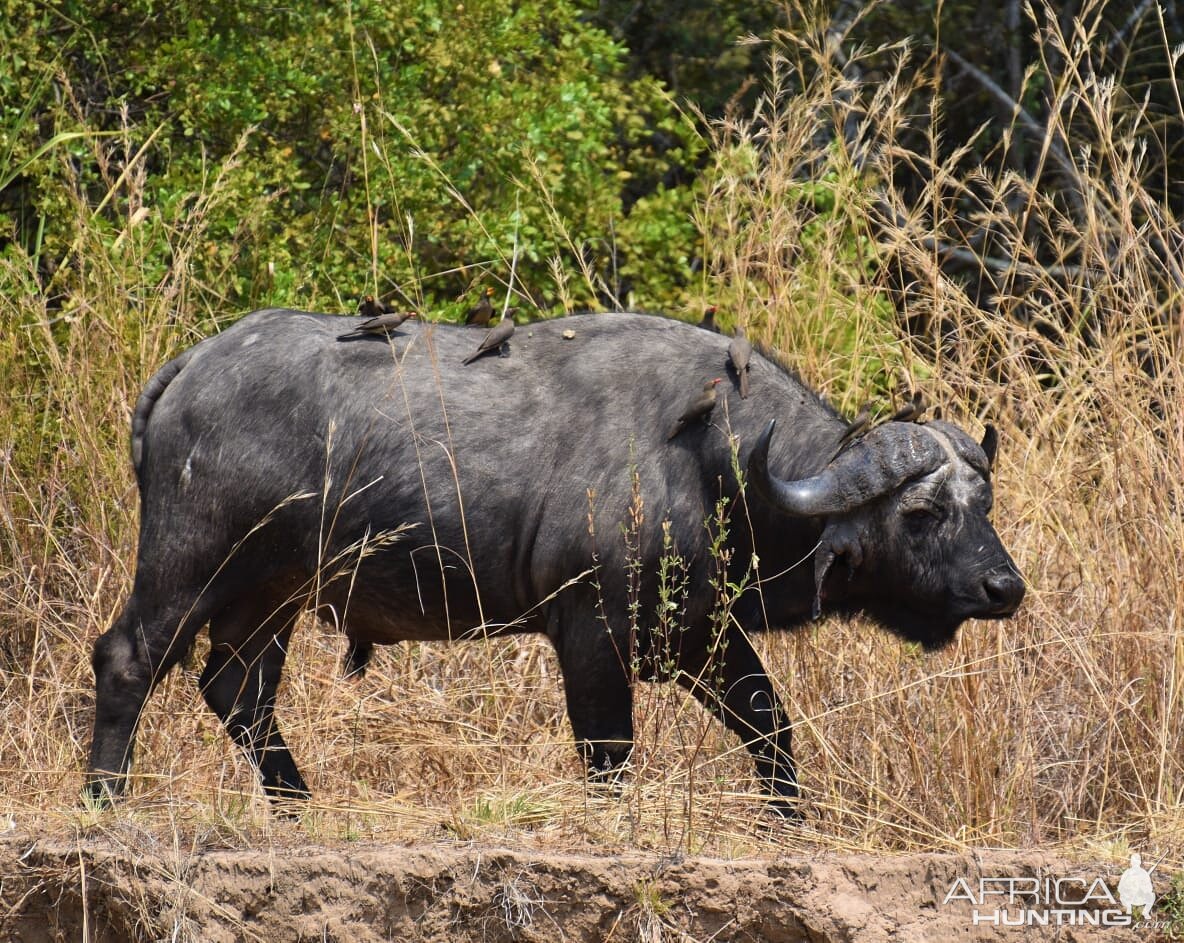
{"x":92,"y":889}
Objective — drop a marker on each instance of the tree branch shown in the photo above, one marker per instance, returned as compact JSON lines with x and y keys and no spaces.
{"x":1042,"y":133}
{"x":1132,"y":21}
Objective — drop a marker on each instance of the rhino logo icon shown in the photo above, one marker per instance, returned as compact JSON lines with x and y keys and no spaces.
{"x":1134,"y":887}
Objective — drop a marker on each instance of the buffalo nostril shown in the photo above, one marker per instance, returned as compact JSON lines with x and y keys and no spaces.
{"x":1004,"y":591}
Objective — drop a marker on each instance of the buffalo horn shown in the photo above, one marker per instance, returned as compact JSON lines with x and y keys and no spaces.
{"x":875,"y":465}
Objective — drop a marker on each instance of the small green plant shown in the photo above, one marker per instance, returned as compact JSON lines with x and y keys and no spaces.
{"x":516,"y":810}
{"x":1170,"y":907}
{"x":632,"y":535}
{"x":669,"y":622}
{"x":652,"y":913}
{"x":648,"y":898}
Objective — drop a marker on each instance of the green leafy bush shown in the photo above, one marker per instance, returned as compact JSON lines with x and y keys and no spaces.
{"x":403,"y":147}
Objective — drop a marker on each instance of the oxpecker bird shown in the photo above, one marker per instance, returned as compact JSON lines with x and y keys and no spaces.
{"x":371,"y":307}
{"x":698,"y":408}
{"x":494,"y":338}
{"x":382,"y":325}
{"x":911,"y":411}
{"x":857,"y":427}
{"x":482,"y":311}
{"x":708,"y":322}
{"x":739,"y":351}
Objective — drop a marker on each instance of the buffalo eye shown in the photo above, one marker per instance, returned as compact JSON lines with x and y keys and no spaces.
{"x":923,"y":515}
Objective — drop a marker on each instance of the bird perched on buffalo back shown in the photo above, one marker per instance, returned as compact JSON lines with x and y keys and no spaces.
{"x":381,"y":325}
{"x":698,"y":408}
{"x":739,"y":352}
{"x":494,"y":338}
{"x":482,"y":311}
{"x":708,"y":322}
{"x":910,"y":411}
{"x":372,"y":307}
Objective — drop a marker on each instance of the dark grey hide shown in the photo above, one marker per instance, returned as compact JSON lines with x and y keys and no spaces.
{"x":277,"y":465}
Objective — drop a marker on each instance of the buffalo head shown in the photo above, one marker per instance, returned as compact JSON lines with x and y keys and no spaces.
{"x":906,"y":535}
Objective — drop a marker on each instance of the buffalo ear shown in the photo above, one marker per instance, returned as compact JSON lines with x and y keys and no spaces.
{"x":990,"y":445}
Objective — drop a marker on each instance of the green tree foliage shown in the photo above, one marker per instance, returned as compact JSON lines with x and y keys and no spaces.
{"x":403,"y":147}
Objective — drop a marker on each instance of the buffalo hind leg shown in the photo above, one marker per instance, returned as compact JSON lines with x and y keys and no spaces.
{"x":248,"y":645}
{"x":736,"y":689}
{"x":129,"y":660}
{"x":357,"y":659}
{"x":599,"y":701}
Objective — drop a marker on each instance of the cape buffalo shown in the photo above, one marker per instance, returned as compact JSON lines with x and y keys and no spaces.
{"x":383,"y":485}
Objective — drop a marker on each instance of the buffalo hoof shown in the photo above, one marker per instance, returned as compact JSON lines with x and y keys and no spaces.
{"x":100,"y":792}
{"x":289,"y":809}
{"x":608,"y":783}
{"x":288,"y":802}
{"x":788,"y":811}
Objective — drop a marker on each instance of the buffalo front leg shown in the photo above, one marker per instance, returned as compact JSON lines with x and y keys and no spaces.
{"x":248,"y":645}
{"x":599,"y":700}
{"x":733,"y":685}
{"x":129,"y":660}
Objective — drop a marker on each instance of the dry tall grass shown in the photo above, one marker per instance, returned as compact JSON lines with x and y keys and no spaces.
{"x":1064,"y":725}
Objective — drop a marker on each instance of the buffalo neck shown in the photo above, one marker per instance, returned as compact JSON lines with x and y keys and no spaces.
{"x":784,"y":544}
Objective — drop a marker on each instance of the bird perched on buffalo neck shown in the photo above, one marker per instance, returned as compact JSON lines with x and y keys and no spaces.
{"x":482,"y":311}
{"x":911,"y":411}
{"x":708,"y":322}
{"x":495,"y":337}
{"x":380,"y":326}
{"x":739,"y":352}
{"x":857,"y":427}
{"x":698,"y":408}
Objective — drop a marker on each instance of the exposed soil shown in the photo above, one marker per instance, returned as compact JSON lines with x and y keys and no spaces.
{"x":52,"y":890}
